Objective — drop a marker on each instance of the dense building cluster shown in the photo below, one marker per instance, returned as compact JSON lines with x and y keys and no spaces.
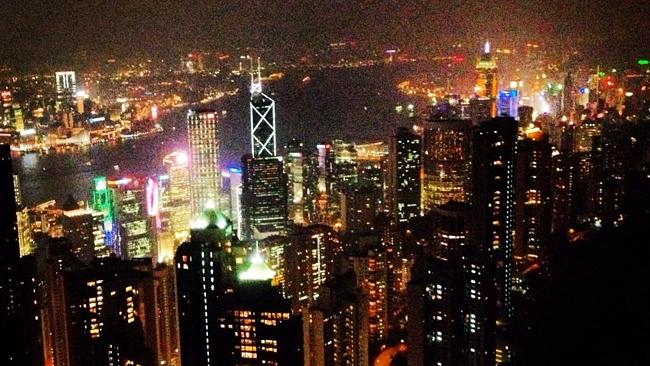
{"x":434,"y":247}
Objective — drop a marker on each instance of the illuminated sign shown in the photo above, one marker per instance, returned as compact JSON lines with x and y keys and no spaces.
{"x":643,"y":61}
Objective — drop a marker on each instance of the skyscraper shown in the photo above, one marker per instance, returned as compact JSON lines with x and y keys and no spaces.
{"x":105,"y":313}
{"x":134,"y":227}
{"x":204,"y":143}
{"x":405,"y":174}
{"x":264,"y":197}
{"x":103,"y":203}
{"x":296,"y":167}
{"x":533,"y":197}
{"x":336,"y":326}
{"x":486,"y":80}
{"x":493,"y":195}
{"x":66,"y":87}
{"x":309,"y":262}
{"x":264,"y":183}
{"x":254,"y":332}
{"x":446,"y":162}
{"x":205,"y":270}
{"x":262,"y":120}
{"x":451,"y":296}
{"x":179,"y":203}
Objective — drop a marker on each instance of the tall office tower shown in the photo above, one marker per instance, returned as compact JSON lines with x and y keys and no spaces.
{"x":404,"y":178}
{"x":508,"y":103}
{"x":563,"y":180}
{"x":451,"y":297}
{"x":610,"y":160}
{"x":254,"y":332}
{"x":205,"y":271}
{"x":134,"y":227}
{"x":103,"y":203}
{"x":309,"y":262}
{"x":371,"y":266}
{"x":262,"y":120}
{"x":336,"y":326}
{"x":66,"y":87}
{"x":79,"y":227}
{"x":533,"y":197}
{"x":486,"y":80}
{"x":104,"y":311}
{"x":264,"y":197}
{"x":371,"y":165}
{"x":493,"y":178}
{"x":446,"y":162}
{"x":204,"y":144}
{"x":264,"y":183}
{"x":179,"y":201}
{"x":296,"y":168}
{"x":10,"y":248}
{"x":359,"y":207}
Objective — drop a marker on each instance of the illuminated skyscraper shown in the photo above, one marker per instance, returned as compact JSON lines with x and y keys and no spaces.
{"x":103,"y":202}
{"x":486,"y":81}
{"x":264,"y":183}
{"x":336,"y":326}
{"x":371,"y":267}
{"x":446,"y":162}
{"x":204,"y":143}
{"x":295,"y":165}
{"x":105,"y":314}
{"x":262,"y":120}
{"x":134,"y":226}
{"x":179,"y":203}
{"x":254,"y":332}
{"x":486,"y":68}
{"x":205,"y":270}
{"x":493,"y":195}
{"x":264,"y":197}
{"x":533,"y":197}
{"x":310,"y":262}
{"x":451,"y":296}
{"x":405,"y":170}
{"x":66,"y":87}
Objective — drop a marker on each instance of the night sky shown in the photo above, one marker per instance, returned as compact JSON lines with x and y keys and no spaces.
{"x":40,"y":32}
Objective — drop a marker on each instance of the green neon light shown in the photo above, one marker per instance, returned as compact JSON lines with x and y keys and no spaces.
{"x":643,"y":61}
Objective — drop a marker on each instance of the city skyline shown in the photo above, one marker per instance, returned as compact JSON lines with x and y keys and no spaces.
{"x":369,"y":195}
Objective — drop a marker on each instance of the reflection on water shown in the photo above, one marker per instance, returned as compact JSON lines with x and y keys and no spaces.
{"x":349,"y":104}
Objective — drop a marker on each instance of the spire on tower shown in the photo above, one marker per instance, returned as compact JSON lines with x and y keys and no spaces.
{"x":486,"y":50}
{"x":256,"y":86}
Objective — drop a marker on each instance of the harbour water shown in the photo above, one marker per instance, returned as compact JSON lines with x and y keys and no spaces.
{"x":350,"y":104}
